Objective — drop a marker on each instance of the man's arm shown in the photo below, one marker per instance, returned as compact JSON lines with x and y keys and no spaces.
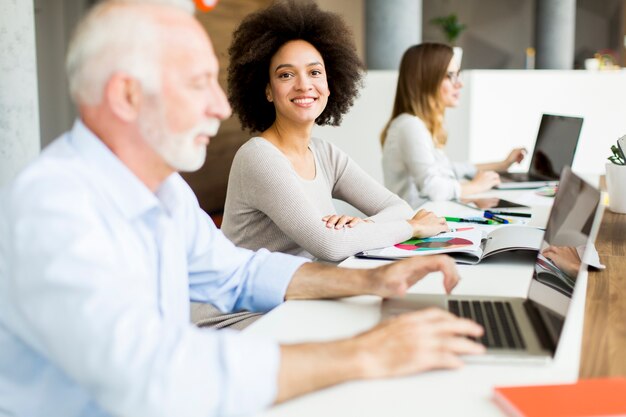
{"x":315,"y":280}
{"x":409,"y":343}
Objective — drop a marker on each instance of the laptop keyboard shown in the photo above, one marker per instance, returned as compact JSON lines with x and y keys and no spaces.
{"x":522,"y":177}
{"x":515,"y":176}
{"x":496,"y":317}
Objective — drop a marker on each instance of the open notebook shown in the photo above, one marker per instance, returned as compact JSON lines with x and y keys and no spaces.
{"x":467,"y":245}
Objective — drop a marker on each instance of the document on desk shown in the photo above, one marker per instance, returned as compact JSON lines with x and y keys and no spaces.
{"x":467,"y":245}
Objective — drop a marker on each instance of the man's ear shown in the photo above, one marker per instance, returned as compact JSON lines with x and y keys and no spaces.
{"x":123,"y":95}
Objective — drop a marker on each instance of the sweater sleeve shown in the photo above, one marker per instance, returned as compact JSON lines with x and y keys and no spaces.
{"x":416,"y":144}
{"x":354,"y":186}
{"x":272,"y":186}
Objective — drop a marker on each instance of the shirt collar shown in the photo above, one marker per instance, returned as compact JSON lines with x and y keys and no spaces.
{"x":126,"y":190}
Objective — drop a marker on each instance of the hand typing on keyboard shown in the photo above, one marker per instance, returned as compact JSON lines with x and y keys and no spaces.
{"x":417,"y":342}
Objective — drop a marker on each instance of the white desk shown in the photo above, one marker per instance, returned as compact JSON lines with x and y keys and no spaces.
{"x":441,"y":393}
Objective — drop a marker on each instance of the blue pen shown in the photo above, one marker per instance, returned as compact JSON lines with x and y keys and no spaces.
{"x":490,"y":215}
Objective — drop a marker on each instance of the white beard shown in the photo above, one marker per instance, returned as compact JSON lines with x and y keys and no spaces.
{"x":179,"y":150}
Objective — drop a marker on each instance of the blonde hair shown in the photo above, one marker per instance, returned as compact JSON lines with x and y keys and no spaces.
{"x":422,"y":70}
{"x":116,"y":36}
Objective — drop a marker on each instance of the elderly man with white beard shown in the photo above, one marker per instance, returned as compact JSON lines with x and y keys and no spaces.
{"x":103,"y":245}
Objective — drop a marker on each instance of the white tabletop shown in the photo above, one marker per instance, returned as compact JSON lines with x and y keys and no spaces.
{"x":441,"y":393}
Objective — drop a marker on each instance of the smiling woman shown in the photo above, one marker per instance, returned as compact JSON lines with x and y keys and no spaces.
{"x":293,"y":66}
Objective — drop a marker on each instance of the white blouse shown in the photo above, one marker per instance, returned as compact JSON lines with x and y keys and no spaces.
{"x":415,"y":169}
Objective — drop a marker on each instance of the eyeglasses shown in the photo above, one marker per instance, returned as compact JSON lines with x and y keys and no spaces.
{"x":454,"y":76}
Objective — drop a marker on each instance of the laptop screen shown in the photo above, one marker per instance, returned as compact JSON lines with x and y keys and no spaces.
{"x":555,"y":146}
{"x":559,"y":261}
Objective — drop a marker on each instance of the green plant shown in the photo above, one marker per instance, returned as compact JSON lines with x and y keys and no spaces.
{"x":618,"y":156}
{"x":450,"y":26}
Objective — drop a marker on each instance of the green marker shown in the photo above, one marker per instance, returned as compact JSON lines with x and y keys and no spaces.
{"x":463,"y":220}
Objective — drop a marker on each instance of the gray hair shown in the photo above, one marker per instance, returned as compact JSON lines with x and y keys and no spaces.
{"x":114,"y":38}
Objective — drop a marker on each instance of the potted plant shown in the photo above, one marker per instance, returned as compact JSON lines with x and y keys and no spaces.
{"x":452,"y":29}
{"x":616,"y":177}
{"x":450,"y":26}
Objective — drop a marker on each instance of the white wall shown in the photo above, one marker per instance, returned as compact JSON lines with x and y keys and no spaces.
{"x":19,"y":117}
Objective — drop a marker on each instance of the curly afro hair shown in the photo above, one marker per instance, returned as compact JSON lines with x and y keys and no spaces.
{"x":261,"y":35}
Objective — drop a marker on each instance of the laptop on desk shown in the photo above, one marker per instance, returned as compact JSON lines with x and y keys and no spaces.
{"x":555,"y":148}
{"x":528,"y":329}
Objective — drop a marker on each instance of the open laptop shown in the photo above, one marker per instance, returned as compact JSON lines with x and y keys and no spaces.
{"x":555,"y":148}
{"x":528,"y":329}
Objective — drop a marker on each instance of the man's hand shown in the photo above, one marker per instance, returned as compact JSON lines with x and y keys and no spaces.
{"x":395,"y":279}
{"x":315,"y":280}
{"x":417,"y":342}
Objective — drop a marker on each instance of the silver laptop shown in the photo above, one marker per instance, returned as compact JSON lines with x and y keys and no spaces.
{"x":555,"y":148}
{"x":529,"y":329}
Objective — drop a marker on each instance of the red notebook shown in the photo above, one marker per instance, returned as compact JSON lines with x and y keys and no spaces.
{"x":586,"y":398}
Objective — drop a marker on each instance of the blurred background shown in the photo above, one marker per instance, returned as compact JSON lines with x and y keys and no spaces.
{"x":494,"y":35}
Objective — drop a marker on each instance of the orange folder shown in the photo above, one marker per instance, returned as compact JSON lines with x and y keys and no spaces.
{"x":585,"y":398}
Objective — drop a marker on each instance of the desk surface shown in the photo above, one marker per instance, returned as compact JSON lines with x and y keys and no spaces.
{"x":604,"y":333}
{"x":466,"y":391}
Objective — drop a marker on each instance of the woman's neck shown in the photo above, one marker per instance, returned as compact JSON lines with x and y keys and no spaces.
{"x":289,"y":138}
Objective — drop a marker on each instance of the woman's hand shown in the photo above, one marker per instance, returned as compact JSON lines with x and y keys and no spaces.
{"x":426,"y":224}
{"x":483,"y":181}
{"x":338,"y":222}
{"x":516,"y":156}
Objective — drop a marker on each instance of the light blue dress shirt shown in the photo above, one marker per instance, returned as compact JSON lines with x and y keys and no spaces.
{"x":96,"y":274}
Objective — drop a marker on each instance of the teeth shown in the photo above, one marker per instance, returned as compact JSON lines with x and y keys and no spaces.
{"x":303,"y":100}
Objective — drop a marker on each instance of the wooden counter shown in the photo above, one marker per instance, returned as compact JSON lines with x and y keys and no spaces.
{"x":604,"y":332}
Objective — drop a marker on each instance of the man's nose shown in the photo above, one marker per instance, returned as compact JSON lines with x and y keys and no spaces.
{"x":218,"y":105}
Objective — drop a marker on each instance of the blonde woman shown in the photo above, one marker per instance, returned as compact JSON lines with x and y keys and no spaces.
{"x":414,"y":163}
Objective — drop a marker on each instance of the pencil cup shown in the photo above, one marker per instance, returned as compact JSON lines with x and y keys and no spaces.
{"x":616,"y":186}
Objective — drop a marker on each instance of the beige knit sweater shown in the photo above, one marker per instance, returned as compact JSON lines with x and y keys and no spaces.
{"x":268,"y":205}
